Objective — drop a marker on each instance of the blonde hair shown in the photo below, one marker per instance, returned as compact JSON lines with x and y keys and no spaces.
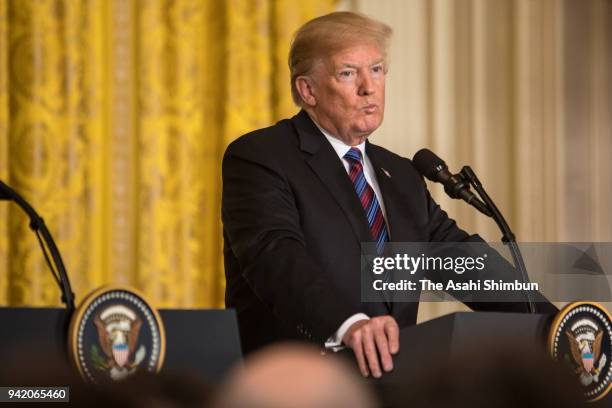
{"x":329,"y":34}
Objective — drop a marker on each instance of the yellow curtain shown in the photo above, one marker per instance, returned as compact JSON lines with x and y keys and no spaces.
{"x":114,"y":115}
{"x":4,"y":123}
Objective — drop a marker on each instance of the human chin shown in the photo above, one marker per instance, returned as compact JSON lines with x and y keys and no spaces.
{"x":369,"y":123}
{"x":364,"y":128}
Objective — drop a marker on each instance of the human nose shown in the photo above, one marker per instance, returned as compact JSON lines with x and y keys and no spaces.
{"x":366,"y":86}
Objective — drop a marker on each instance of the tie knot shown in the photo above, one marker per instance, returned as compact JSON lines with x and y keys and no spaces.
{"x":354,"y":154}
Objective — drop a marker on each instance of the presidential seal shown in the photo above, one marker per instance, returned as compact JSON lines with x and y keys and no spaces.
{"x":581,"y":337}
{"x":115,"y":333}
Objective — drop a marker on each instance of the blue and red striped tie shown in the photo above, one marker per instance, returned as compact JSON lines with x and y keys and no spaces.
{"x":366,"y":195}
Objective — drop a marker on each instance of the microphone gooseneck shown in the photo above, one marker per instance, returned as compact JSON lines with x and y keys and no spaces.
{"x":458,"y":186}
{"x":46,"y":241}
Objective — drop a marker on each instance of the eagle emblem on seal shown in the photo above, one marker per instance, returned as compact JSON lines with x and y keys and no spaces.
{"x":585,"y":339}
{"x":118,"y":329}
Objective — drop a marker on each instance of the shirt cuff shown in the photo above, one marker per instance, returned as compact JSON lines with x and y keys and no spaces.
{"x":335,"y":341}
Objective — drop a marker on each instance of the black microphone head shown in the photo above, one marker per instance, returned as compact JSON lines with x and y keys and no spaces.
{"x":429,"y":164}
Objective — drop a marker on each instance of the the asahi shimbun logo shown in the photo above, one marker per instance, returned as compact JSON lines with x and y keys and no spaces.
{"x":114,"y":334}
{"x":581,"y":336}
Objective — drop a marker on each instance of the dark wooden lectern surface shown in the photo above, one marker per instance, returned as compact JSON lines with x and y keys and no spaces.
{"x":200,"y":342}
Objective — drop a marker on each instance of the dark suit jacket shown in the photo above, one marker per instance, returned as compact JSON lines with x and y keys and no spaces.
{"x":293,"y":228}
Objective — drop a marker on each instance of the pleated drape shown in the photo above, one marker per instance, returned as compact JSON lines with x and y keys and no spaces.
{"x":114,"y":115}
{"x":521,"y":91}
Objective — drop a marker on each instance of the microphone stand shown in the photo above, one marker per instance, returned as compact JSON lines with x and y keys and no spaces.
{"x":37,"y":225}
{"x":507,"y":235}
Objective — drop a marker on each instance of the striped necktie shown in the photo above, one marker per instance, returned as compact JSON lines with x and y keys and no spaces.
{"x":366,"y":195}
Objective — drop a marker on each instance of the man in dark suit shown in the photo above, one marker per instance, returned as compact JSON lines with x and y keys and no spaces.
{"x":301,"y":196}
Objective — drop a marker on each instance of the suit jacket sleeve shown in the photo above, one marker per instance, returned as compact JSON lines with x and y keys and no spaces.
{"x":262,"y":224}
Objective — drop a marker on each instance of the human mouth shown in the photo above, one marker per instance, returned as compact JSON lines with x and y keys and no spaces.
{"x":371,"y":108}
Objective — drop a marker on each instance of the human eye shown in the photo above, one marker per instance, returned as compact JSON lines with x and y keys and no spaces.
{"x":346,"y":74}
{"x":378,"y":69}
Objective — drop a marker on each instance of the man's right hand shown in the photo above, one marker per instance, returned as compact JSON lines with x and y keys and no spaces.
{"x":369,"y":339}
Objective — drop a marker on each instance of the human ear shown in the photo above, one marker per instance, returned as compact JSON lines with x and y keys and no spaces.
{"x":305,"y":88}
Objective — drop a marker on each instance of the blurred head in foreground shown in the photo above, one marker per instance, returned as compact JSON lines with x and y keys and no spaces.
{"x":291,"y":376}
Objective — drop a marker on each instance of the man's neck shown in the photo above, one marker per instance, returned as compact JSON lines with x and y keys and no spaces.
{"x":332,"y":134}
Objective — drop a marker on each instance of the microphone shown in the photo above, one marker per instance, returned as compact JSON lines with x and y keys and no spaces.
{"x":435,"y":169}
{"x":37,"y":225}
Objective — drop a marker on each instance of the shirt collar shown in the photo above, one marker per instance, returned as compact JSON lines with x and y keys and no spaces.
{"x":339,"y":146}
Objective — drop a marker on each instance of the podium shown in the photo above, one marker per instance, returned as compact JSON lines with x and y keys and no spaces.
{"x":438,"y":342}
{"x":448,"y":336}
{"x":204,"y":343}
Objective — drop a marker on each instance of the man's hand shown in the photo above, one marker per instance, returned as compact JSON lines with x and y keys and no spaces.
{"x":369,"y":339}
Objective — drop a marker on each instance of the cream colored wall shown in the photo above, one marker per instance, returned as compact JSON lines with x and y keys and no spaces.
{"x":521,"y":91}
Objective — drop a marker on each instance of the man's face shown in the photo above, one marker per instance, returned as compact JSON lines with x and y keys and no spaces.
{"x":349,"y":93}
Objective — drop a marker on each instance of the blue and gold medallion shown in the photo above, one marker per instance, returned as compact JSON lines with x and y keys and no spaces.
{"x":581,"y":336}
{"x":116,"y":333}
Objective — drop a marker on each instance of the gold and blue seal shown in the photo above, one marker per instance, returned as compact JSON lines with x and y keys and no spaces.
{"x":581,"y":337}
{"x":115,"y":333}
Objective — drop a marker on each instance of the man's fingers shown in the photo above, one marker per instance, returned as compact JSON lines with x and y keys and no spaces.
{"x":373,"y":343}
{"x":383,"y":350}
{"x":369,"y":348}
{"x":358,"y":350}
{"x":392,"y":332}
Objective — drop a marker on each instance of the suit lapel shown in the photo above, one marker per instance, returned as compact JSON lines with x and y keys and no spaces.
{"x":324,"y":161}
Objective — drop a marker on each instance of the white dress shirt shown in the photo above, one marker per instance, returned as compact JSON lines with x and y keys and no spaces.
{"x":335,"y":341}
